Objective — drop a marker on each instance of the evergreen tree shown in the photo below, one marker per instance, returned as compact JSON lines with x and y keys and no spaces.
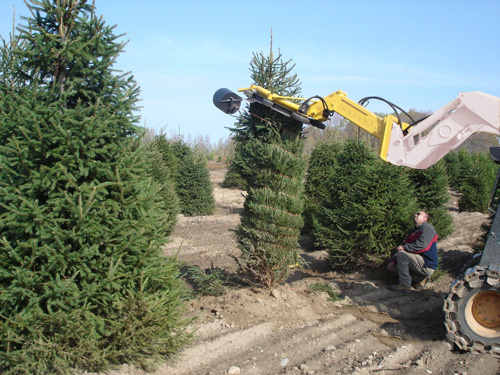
{"x":458,"y":164}
{"x":473,"y":174}
{"x":83,"y":281}
{"x":192,"y":182}
{"x":452,"y":167}
{"x":322,"y":164}
{"x":269,"y":154}
{"x":477,"y":183}
{"x":233,"y":178}
{"x":163,"y":168}
{"x":274,"y":74}
{"x":431,"y":189}
{"x":164,"y":146}
{"x":368,"y":208}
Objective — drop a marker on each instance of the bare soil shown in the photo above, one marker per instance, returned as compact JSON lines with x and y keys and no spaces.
{"x":295,"y":330}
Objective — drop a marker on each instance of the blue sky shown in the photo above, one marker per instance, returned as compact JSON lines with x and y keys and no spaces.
{"x":417,"y":54}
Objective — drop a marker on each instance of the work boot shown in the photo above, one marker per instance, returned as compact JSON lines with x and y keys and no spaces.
{"x":422,"y":284}
{"x":400,"y":288}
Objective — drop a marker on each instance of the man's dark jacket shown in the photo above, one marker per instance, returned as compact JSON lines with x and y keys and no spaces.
{"x":422,"y":240}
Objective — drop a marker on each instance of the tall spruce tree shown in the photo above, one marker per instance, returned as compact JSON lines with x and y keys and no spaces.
{"x":83,"y":282}
{"x":269,"y":153}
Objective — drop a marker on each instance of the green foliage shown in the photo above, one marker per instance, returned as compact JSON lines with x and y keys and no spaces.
{"x":479,"y":243}
{"x":268,"y":157}
{"x":473,"y":174}
{"x":452,"y":167}
{"x":359,"y":207}
{"x":477,"y":183}
{"x":457,"y":165}
{"x":431,"y":191}
{"x":210,"y":282}
{"x":274,"y":74}
{"x":367,"y":209}
{"x":162,"y":167}
{"x":272,"y":219}
{"x":233,"y":178}
{"x":321,"y":166}
{"x":192,"y":182}
{"x":82,"y":49}
{"x":164,"y":146}
{"x":333,"y":295}
{"x":441,"y":219}
{"x":81,"y":244}
{"x":437,"y":274}
{"x":83,"y":281}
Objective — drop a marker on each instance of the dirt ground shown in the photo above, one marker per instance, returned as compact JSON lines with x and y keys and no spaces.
{"x":295,"y":330}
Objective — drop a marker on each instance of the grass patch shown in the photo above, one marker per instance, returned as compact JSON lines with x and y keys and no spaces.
{"x":333,"y":295}
{"x":437,"y":275}
{"x":211,"y":282}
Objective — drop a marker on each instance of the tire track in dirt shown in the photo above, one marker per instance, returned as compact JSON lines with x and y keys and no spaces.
{"x":266,"y":353}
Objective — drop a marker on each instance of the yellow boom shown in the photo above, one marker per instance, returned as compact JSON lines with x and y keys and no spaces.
{"x":418,"y":145}
{"x":337,"y":102}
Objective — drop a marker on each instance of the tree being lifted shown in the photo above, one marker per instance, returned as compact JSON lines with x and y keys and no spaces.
{"x":269,"y":158}
{"x":83,"y":282}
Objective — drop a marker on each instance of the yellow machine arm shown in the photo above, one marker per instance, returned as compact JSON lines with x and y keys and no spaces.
{"x":418,"y":145}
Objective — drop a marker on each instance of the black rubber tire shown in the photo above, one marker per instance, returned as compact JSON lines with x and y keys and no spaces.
{"x":462,"y":327}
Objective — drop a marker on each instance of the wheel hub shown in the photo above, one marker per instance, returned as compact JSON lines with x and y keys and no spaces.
{"x":486,"y":309}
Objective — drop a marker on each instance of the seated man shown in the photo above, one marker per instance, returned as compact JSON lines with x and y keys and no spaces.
{"x":417,"y":254}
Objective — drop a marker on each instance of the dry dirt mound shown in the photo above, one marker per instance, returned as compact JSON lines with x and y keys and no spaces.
{"x":295,"y":330}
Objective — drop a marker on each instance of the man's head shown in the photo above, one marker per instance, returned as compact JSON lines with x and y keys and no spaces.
{"x":421,"y":217}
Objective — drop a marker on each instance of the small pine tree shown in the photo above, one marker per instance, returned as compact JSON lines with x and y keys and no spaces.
{"x":164,"y":146}
{"x":452,"y":167}
{"x":192,"y":182}
{"x":233,"y":178}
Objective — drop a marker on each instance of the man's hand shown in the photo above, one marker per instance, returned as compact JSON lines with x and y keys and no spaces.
{"x":390,"y":266}
{"x":400,"y":248}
